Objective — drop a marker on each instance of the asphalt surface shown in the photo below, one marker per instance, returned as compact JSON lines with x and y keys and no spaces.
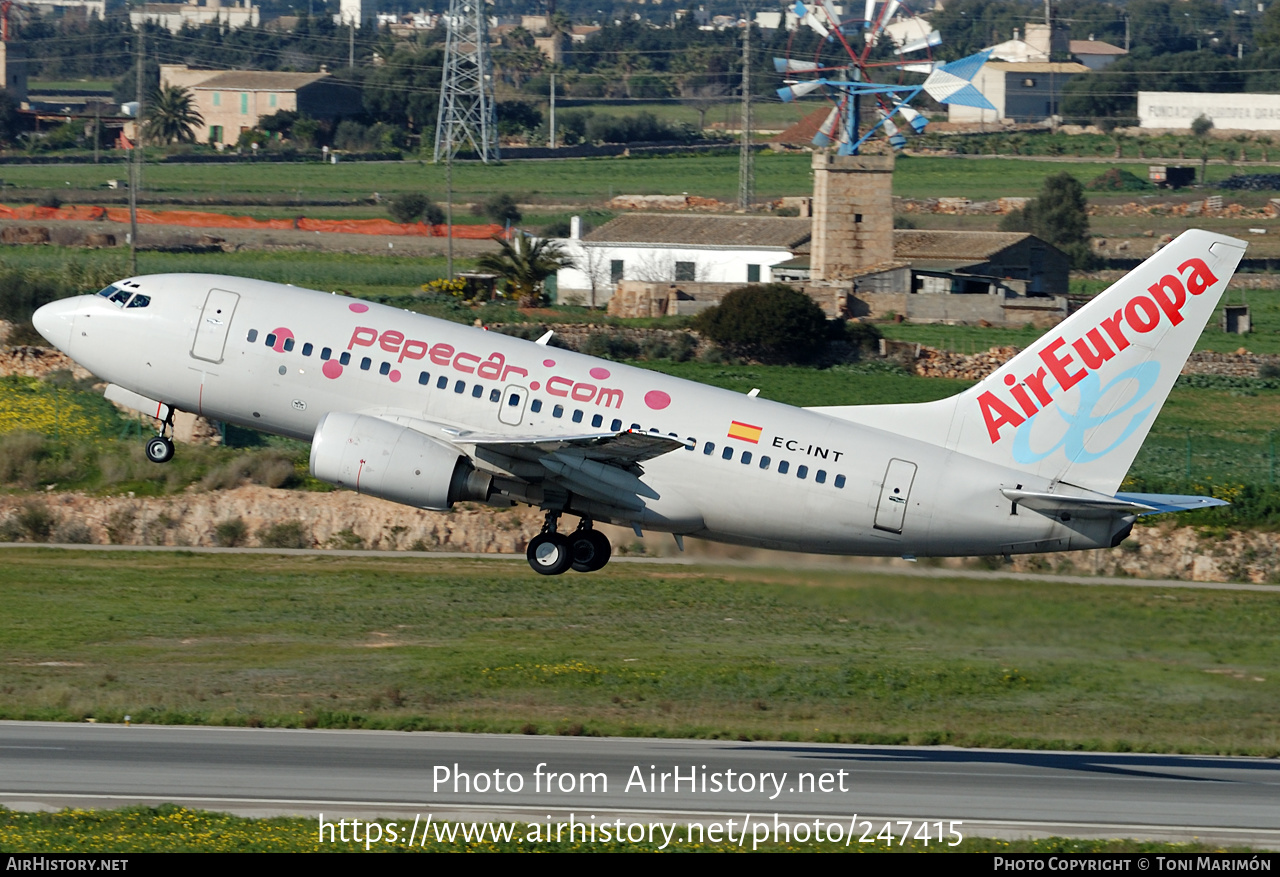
{"x":362,"y":774}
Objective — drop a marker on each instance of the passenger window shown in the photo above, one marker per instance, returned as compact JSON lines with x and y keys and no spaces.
{"x":513,"y":401}
{"x":558,"y":411}
{"x":139,"y":301}
{"x":442,"y":382}
{"x":365,"y":363}
{"x":746,"y":457}
{"x":764,"y":462}
{"x":821,"y":476}
{"x":690,"y":443}
{"x":783,"y":466}
{"x":616,"y":426}
{"x":271,"y":339}
{"x":577,"y":415}
{"x":477,"y":391}
{"x":326,"y":353}
{"x":288,"y":345}
{"x":253,"y":335}
{"x":384,"y":369}
{"x":307,"y":348}
{"x":596,"y":421}
{"x":495,"y":395}
{"x":345,"y":358}
{"x":635,"y":426}
{"x":424,"y":378}
{"x":726,"y":454}
{"x":535,"y":406}
{"x":802,"y":471}
{"x":460,"y":387}
{"x":839,"y":482}
{"x":709,"y":448}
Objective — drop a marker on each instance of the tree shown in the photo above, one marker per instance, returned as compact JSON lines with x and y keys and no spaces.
{"x":171,"y":116}
{"x":1059,"y":215}
{"x":770,"y":323}
{"x":413,"y":207}
{"x":501,"y":209}
{"x":524,"y":264}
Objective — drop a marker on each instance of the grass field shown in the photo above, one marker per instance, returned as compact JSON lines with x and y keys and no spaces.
{"x":388,"y":642}
{"x":169,"y":828}
{"x":573,"y":181}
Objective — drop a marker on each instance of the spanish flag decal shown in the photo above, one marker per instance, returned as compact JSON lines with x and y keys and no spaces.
{"x":744,"y":431}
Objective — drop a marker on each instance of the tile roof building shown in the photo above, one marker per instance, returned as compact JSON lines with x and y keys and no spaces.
{"x":234,"y":101}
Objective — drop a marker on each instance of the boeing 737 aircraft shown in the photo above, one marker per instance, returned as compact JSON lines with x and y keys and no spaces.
{"x":429,"y":413}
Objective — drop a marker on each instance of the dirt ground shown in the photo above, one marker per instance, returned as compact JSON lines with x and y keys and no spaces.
{"x":74,"y":234}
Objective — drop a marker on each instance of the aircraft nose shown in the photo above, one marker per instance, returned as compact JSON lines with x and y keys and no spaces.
{"x":54,"y":321}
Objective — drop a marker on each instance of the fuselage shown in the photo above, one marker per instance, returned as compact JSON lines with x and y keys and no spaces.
{"x":752,"y":471}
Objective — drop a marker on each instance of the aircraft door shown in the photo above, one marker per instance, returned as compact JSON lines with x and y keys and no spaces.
{"x":894,"y":495}
{"x":511,"y":405}
{"x":215,"y":322}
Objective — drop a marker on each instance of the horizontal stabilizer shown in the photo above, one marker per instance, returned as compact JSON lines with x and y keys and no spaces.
{"x":1094,"y":505}
{"x":1170,"y":502}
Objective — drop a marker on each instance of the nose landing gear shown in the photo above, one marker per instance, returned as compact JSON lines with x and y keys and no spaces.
{"x":584,"y":550}
{"x":160,"y":447}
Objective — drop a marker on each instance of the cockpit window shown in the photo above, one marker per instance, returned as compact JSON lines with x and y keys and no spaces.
{"x":139,"y":301}
{"x":116,"y":295}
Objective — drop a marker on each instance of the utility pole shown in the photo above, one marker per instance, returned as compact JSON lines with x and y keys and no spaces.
{"x":448,"y":206}
{"x":746,"y":158}
{"x":351,"y":44}
{"x":552,"y":141}
{"x":135,"y":163}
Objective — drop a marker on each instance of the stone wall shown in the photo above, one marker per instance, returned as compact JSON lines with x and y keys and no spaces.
{"x":345,"y":520}
{"x":852,"y":214}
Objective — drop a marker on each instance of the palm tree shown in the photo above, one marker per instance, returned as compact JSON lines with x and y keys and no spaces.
{"x":524,"y":264}
{"x":172,"y":116}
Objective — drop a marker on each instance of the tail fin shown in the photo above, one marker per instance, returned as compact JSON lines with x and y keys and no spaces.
{"x":1077,"y":404}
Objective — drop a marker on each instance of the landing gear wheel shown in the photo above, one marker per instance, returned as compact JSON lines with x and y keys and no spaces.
{"x":549,"y":554}
{"x":159,"y":449}
{"x":590,"y":550}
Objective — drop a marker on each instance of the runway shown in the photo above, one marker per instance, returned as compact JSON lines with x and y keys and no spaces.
{"x":361,"y":774}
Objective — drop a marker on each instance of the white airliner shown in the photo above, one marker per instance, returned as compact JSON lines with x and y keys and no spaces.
{"x":429,"y":413}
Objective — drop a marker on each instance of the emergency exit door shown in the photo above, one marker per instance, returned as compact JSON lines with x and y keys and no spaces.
{"x":215,"y":322}
{"x":894,"y":495}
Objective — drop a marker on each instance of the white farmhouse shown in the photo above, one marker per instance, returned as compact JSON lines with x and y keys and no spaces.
{"x":676,"y":248}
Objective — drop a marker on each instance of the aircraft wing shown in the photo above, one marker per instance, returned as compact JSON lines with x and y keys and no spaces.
{"x":619,"y":449}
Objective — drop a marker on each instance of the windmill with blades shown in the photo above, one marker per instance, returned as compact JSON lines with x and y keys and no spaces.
{"x":853,"y":62}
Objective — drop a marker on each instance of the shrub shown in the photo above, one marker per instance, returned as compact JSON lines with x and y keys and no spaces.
{"x":501,"y":209}
{"x":606,"y":345}
{"x":231,"y":533}
{"x":772,"y":323}
{"x":407,"y":207}
{"x":72,"y":533}
{"x":286,"y":534}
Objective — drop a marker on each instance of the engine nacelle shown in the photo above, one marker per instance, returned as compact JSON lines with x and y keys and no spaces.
{"x":386,"y":460}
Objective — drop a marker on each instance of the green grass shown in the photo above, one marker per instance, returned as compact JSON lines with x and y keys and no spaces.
{"x":168,"y":828}
{"x":385,"y":642}
{"x":560,"y":181}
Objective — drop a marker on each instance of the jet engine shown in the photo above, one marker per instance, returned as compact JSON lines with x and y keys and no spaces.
{"x":386,"y":460}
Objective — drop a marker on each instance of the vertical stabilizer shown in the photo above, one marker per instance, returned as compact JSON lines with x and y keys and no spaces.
{"x":1077,"y":404}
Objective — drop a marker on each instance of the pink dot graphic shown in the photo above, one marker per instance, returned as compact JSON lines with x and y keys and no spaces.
{"x":331,"y":369}
{"x":534,"y":385}
{"x":358,"y":307}
{"x":394,"y":376}
{"x":282,"y":334}
{"x":600,"y":373}
{"x":657,"y":400}
{"x":549,"y":363}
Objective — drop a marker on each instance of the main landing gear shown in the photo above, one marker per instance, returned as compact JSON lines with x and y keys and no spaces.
{"x":160,"y":447}
{"x":584,"y":550}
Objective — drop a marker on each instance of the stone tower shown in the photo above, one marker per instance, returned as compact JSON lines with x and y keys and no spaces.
{"x":852,"y":215}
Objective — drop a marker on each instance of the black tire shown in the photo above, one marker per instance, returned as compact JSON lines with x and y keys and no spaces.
{"x":590,"y":550}
{"x":549,"y":554}
{"x":159,"y":449}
